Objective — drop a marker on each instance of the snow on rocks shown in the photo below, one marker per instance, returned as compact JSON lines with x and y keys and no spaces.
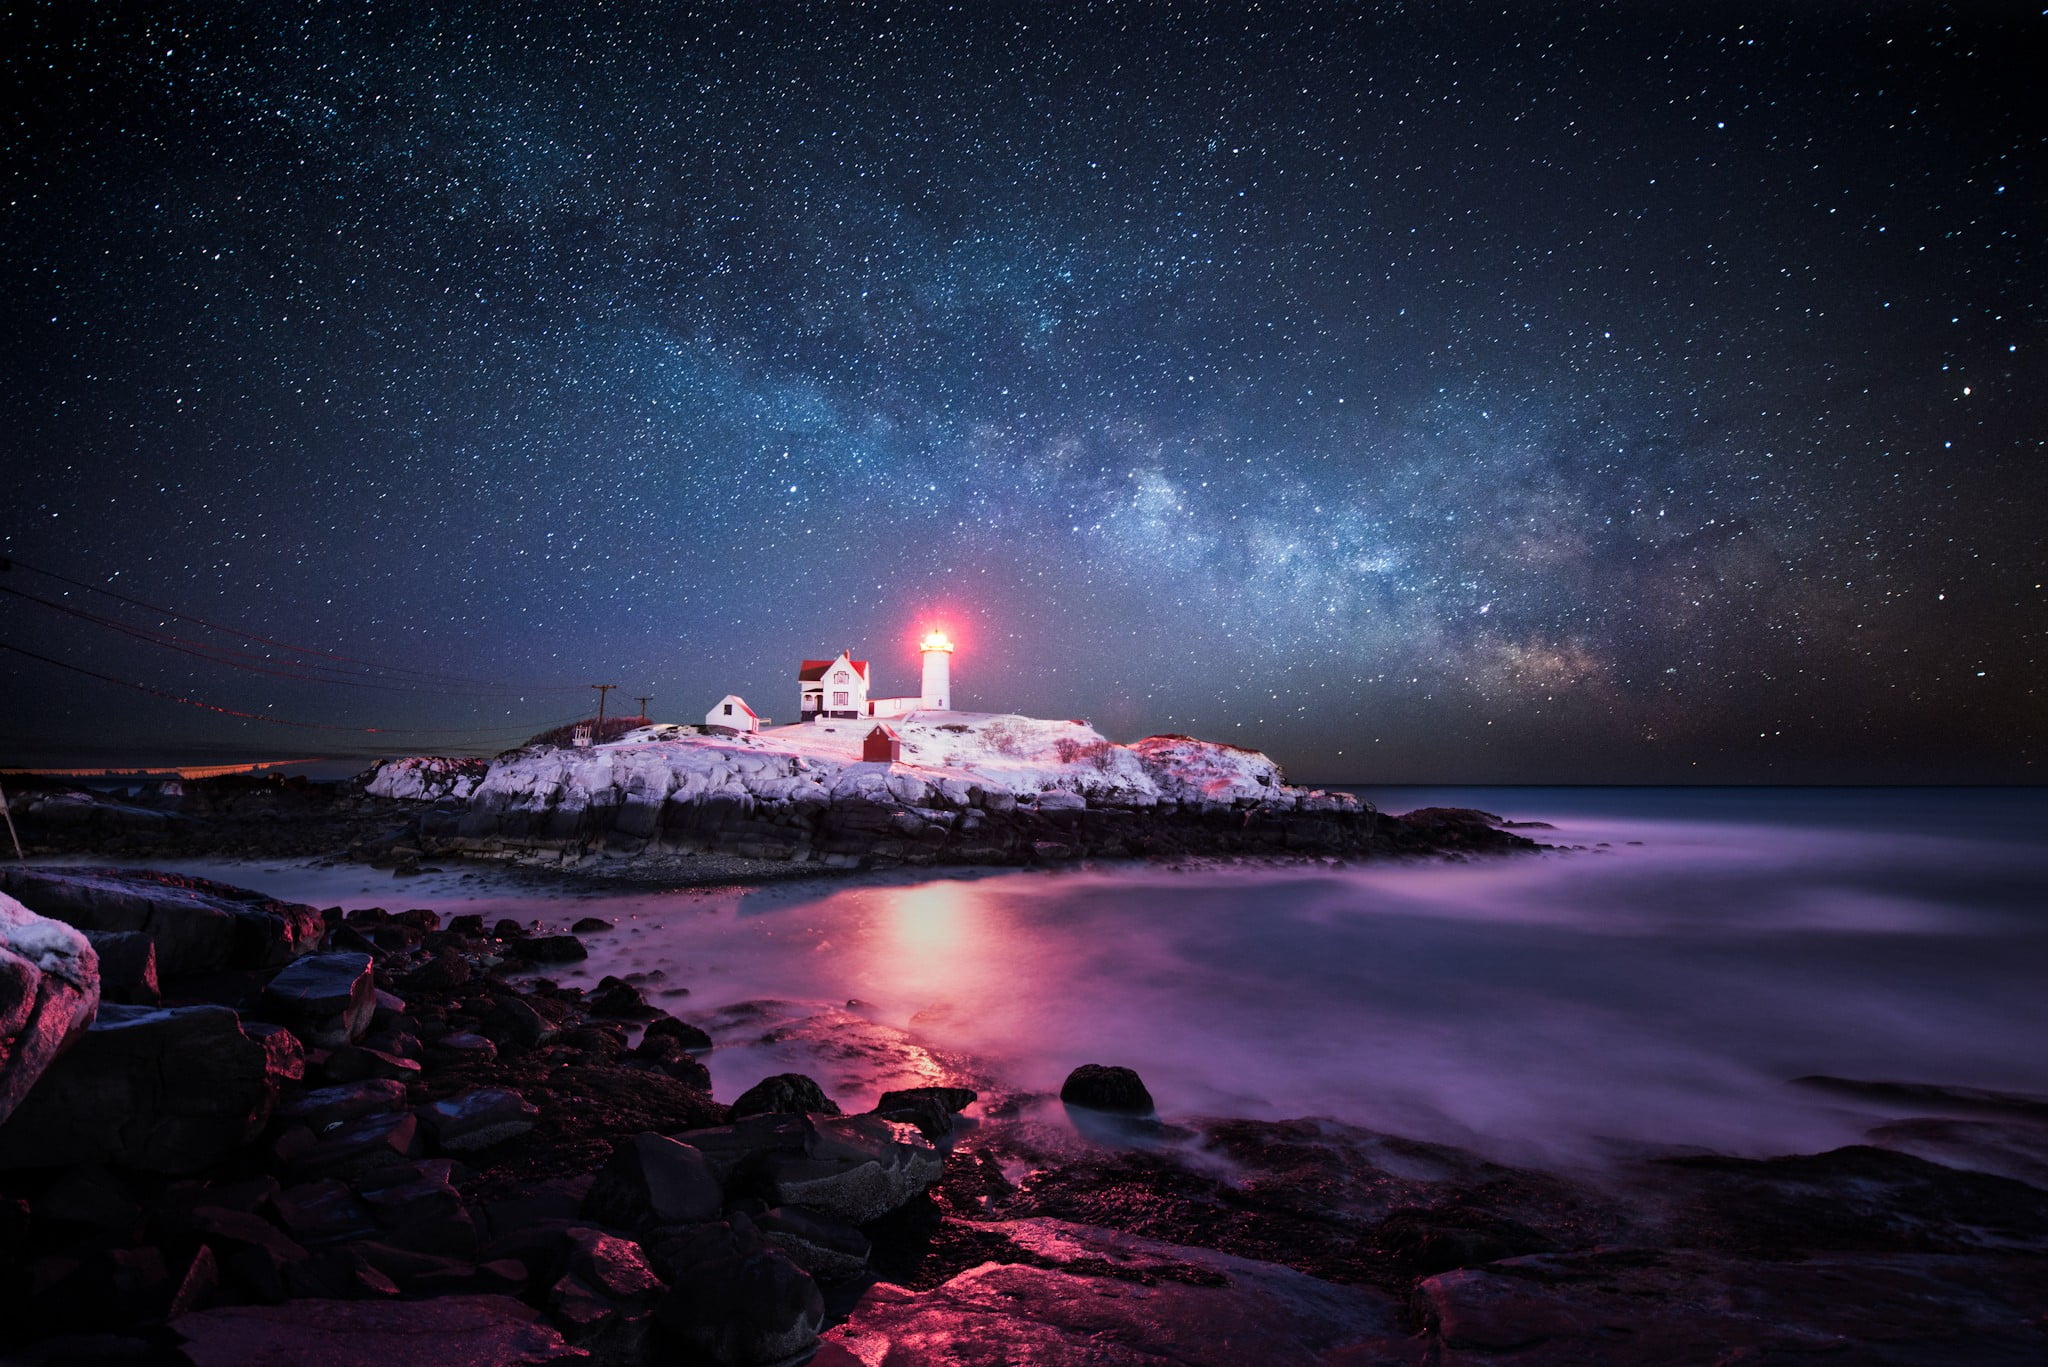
{"x":966,"y":788}
{"x":426,"y":778}
{"x":950,"y":760}
{"x":49,"y":990}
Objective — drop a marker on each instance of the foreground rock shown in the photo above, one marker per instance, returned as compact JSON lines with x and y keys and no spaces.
{"x":1646,"y":1305}
{"x":491,"y":1171}
{"x":49,"y":990}
{"x":197,"y":925}
{"x":451,"y":1331}
{"x":1127,"y":1301}
{"x":168,"y":1091}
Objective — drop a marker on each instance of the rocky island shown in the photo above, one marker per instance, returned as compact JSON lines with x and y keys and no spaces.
{"x":682,"y":803}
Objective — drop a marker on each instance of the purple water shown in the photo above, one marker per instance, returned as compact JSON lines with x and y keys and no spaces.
{"x":1537,"y":1007}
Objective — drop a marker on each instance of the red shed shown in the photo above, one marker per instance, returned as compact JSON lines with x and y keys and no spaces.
{"x":882,"y":746}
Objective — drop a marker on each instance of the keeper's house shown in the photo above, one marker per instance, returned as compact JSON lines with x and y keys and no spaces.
{"x":836,"y":688}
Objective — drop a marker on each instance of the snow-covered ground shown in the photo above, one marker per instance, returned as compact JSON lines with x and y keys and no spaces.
{"x":949,"y":759}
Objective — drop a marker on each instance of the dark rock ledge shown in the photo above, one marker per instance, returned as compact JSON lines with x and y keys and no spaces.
{"x":385,"y":1150}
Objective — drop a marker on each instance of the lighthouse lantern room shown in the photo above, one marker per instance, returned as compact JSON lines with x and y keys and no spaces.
{"x":938,"y":670}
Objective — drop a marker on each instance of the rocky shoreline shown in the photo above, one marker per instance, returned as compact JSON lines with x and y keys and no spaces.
{"x":720,"y":838}
{"x":300,"y":1135}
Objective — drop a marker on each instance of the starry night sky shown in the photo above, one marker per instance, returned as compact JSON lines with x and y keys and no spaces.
{"x":1557,"y":393}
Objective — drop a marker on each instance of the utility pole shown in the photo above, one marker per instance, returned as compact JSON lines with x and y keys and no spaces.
{"x":602,"y":691}
{"x":3,"y":796}
{"x":643,"y":704}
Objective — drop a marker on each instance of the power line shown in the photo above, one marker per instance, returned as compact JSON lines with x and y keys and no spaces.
{"x":288,"y":669}
{"x":258,"y":716}
{"x":421,"y":674}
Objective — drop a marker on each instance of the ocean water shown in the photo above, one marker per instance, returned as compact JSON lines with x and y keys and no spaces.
{"x":1658,"y":986}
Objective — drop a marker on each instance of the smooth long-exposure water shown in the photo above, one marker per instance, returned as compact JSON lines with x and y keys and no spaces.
{"x":1661,"y":991}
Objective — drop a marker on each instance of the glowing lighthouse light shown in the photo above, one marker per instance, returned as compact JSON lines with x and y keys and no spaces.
{"x":938,"y":671}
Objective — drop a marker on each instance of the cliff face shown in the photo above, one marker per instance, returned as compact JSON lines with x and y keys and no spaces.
{"x":970,"y":788}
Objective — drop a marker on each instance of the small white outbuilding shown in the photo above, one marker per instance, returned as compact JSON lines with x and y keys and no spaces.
{"x":731,"y":713}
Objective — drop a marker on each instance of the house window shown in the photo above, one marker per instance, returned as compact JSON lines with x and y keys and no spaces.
{"x":839,"y":700}
{"x":840,"y":677}
{"x":728,"y":709}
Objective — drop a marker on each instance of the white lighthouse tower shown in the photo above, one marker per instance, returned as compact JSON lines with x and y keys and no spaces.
{"x":938,"y":671}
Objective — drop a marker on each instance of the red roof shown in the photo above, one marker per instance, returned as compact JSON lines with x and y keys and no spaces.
{"x":813,"y":670}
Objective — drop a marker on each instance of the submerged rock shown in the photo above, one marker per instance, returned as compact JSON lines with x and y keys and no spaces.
{"x":783,"y":1094}
{"x":1106,"y":1087}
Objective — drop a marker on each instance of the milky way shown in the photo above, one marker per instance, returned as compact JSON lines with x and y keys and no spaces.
{"x":1585,"y":393}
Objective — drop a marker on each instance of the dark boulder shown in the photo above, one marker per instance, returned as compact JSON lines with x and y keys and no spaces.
{"x":830,"y":1250}
{"x":931,"y":1109}
{"x":613,"y":1266}
{"x":954,"y":1099}
{"x":855,"y":1168}
{"x":287,"y":1055}
{"x":516,"y":1020}
{"x":461,"y":1046}
{"x":666,"y":1054}
{"x":354,"y":1062}
{"x":619,"y":998}
{"x":1105,"y":1087}
{"x":478,"y":1119}
{"x":326,"y":999}
{"x":553,"y":949}
{"x":689,"y":1036}
{"x":324,"y":1212}
{"x":783,"y":1094}
{"x":172,"y":1090}
{"x":361,"y":1145}
{"x":127,"y":967}
{"x":651,"y":1180}
{"x":417,"y":1207}
{"x":325,"y":1108}
{"x":759,"y":1310}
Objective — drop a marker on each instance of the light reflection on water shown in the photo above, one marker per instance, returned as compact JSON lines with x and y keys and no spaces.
{"x":1660,"y":992}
